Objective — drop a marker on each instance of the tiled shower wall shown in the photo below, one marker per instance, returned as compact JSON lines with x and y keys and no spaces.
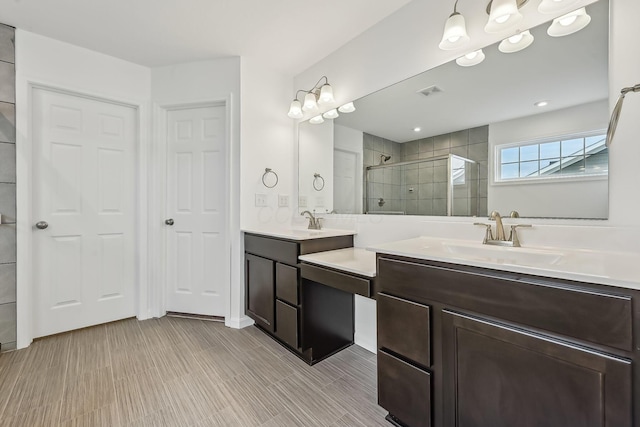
{"x":7,"y":190}
{"x":421,"y":189}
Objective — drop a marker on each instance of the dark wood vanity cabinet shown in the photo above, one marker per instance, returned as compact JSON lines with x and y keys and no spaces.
{"x":310,"y":320}
{"x":490,"y":348}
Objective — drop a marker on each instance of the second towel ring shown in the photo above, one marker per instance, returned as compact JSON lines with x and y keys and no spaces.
{"x":267,"y":172}
{"x":318,"y":182}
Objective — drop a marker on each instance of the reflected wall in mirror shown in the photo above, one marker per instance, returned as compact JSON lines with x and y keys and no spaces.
{"x":543,"y":161}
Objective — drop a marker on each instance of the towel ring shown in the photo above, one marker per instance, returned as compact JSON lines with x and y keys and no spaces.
{"x":268,"y":171}
{"x":318,"y":182}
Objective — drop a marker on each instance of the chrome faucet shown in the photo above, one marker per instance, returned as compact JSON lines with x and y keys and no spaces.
{"x":314,"y":223}
{"x":500,"y":238}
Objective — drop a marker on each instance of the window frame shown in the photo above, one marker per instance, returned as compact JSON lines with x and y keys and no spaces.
{"x":497,"y":161}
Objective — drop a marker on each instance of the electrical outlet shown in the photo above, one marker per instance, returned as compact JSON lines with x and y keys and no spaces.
{"x":261,"y":200}
{"x":302,"y":201}
{"x":319,"y":201}
{"x":283,"y":200}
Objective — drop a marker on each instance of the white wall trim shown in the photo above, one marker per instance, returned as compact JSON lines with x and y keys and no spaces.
{"x":157,"y":211}
{"x":24,"y":187}
{"x":238,"y":322}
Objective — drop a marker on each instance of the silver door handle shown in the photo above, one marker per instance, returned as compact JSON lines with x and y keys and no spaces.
{"x":42,"y":225}
{"x":169,"y":221}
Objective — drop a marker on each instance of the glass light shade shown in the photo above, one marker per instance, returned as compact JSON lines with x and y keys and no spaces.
{"x":516,"y":43}
{"x":295,"y":110}
{"x":455,"y":33}
{"x":347,"y":108}
{"x":331,"y":114}
{"x":316,"y":120}
{"x":569,"y":23}
{"x":471,"y":59}
{"x":555,"y":6}
{"x":504,"y":16}
{"x":326,"y":95}
{"x":310,"y":103}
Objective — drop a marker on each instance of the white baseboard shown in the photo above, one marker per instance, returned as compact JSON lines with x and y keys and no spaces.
{"x":238,"y":322}
{"x":365,"y":342}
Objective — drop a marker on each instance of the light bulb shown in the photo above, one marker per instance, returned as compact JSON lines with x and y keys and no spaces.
{"x":310,"y":103}
{"x":326,"y":95}
{"x":295,"y":110}
{"x":515,"y":39}
{"x":502,"y":19}
{"x":455,"y":33}
{"x":516,"y":42}
{"x":567,"y":20}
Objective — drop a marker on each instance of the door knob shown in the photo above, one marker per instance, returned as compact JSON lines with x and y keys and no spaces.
{"x":169,"y":221}
{"x":42,"y":225}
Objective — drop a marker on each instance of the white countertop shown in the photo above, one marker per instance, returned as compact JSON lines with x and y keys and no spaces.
{"x":353,"y":260}
{"x":298,"y":233}
{"x":607,"y":268}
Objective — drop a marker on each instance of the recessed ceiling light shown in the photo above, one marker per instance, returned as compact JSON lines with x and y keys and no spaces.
{"x":417,"y":129}
{"x":541,"y":103}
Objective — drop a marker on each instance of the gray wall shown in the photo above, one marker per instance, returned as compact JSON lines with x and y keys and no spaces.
{"x":7,"y":190}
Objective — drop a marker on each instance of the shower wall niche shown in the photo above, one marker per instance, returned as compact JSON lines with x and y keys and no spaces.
{"x":439,"y":175}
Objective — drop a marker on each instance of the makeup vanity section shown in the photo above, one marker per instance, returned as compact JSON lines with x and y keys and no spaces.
{"x":306,"y":307}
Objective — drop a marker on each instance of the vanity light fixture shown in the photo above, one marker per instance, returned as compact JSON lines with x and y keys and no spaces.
{"x":569,"y":23}
{"x":516,"y":43}
{"x":318,"y":95}
{"x":471,"y":58}
{"x":316,"y":120}
{"x":554,"y":6}
{"x":331,"y":114}
{"x":347,"y":108}
{"x":503,"y":15}
{"x":455,"y":31}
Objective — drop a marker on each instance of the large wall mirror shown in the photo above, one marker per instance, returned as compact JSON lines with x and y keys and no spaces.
{"x":520,"y":131}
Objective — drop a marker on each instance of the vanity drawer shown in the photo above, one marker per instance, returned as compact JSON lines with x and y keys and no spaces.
{"x":268,"y":247}
{"x":404,"y":327}
{"x":287,"y":323}
{"x":341,"y":281}
{"x":404,"y":390}
{"x":558,"y":306}
{"x":287,"y":283}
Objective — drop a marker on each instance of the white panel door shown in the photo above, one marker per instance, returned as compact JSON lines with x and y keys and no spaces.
{"x":84,"y":189}
{"x":197,"y":259}
{"x":345,"y":171}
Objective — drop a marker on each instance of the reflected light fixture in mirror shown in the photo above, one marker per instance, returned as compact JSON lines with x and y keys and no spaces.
{"x":516,"y":43}
{"x":331,"y":114}
{"x":347,"y":108}
{"x":455,"y":31}
{"x":569,"y":23}
{"x":316,"y":120}
{"x":471,"y":58}
{"x":555,"y":6}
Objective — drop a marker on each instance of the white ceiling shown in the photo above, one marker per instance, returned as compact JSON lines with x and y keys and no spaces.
{"x":566,"y":71}
{"x":290,"y":35}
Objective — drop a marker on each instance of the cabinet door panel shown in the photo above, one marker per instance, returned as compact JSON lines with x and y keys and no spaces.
{"x":287,"y":283}
{"x":404,"y":328}
{"x":500,"y":376}
{"x":404,"y":390}
{"x":287,"y":323}
{"x":260,"y":301}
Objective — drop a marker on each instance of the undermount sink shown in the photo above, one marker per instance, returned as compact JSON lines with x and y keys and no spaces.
{"x":503,"y":255}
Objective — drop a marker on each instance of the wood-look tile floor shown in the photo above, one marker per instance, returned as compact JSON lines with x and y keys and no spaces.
{"x":182,"y":372}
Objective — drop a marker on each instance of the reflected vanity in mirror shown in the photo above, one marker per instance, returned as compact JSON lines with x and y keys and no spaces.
{"x":520,"y":131}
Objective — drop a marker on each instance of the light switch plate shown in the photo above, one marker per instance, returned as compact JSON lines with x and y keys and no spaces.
{"x":283,"y":200}
{"x":302,"y":201}
{"x":261,"y":200}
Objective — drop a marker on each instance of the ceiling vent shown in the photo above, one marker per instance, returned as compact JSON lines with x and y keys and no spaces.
{"x":429,"y":91}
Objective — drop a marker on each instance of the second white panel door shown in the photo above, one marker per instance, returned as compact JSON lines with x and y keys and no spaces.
{"x":197,"y":257}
